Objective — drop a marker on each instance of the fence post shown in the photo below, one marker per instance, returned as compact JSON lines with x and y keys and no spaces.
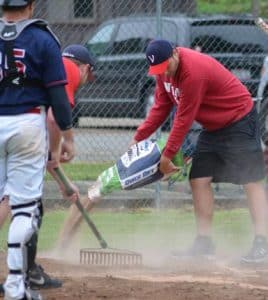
{"x":158,"y":132}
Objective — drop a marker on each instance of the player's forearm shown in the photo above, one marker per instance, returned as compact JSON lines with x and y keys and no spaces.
{"x":153,"y":121}
{"x":157,"y":115}
{"x":68,"y":135}
{"x":68,"y":153}
{"x":55,"y":135}
{"x":60,"y":107}
{"x":63,"y":115}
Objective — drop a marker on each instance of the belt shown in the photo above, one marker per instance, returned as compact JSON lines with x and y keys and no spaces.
{"x":35,"y":110}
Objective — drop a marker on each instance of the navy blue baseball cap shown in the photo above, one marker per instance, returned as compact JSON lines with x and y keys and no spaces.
{"x":158,"y":53}
{"x":79,"y":53}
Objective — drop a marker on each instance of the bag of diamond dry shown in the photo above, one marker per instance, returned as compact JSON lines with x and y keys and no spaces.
{"x":138,"y":167}
{"x":135,"y":168}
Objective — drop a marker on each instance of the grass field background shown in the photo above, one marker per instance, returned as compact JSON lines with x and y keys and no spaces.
{"x":230,"y":6}
{"x":83,"y":170}
{"x":149,"y":229}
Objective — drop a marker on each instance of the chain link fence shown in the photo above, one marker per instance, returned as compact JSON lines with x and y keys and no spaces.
{"x":117,"y":32}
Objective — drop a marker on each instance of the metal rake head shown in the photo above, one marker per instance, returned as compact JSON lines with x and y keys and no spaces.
{"x":110,"y":257}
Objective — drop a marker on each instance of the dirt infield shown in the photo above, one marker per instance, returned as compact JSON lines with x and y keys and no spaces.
{"x":191,"y":280}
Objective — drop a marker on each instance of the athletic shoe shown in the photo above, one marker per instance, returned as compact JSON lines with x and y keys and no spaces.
{"x":31,"y":295}
{"x":202,"y":246}
{"x":258,"y":253}
{"x":38,"y":279}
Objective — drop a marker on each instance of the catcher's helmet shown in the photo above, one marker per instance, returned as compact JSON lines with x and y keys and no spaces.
{"x":15,"y":3}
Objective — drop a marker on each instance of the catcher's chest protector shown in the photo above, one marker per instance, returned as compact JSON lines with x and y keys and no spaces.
{"x":8,"y":33}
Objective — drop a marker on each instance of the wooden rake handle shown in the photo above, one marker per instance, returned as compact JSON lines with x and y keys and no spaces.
{"x":70,"y":191}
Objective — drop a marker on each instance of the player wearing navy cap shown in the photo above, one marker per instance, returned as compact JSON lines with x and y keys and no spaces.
{"x":32,"y":79}
{"x":79,"y":64}
{"x":229,"y":147}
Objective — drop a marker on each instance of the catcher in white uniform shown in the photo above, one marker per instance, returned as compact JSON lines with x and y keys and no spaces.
{"x":32,"y":80}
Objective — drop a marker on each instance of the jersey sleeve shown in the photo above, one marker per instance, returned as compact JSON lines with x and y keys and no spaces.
{"x":53,"y":69}
{"x":159,"y":112}
{"x":73,"y":79}
{"x":192,"y":93}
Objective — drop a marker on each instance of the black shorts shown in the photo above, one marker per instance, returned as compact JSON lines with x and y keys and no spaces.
{"x":232,"y":154}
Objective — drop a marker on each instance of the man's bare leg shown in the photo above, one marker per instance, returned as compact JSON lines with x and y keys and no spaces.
{"x":203,"y":199}
{"x":72,"y":223}
{"x":258,"y":208}
{"x":203,"y":206}
{"x":4,"y":210}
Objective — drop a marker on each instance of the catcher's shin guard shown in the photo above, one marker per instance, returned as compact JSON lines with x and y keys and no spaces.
{"x":32,"y":243}
{"x":22,"y":233}
{"x":28,"y":295}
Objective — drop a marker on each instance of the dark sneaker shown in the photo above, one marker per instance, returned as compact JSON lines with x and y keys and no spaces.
{"x":38,"y":279}
{"x":32,"y":295}
{"x":258,"y":253}
{"x":202,"y":246}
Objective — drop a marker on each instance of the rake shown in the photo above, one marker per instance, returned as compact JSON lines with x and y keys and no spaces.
{"x":104,"y":256}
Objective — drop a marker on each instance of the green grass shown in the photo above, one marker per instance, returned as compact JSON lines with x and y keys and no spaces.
{"x":149,"y":228}
{"x":223,"y":6}
{"x":82,"y":171}
{"x":229,"y":7}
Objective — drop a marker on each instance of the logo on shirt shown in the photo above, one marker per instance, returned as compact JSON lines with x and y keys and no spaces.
{"x":9,"y":34}
{"x":16,"y":81}
{"x":173,"y":90}
{"x":151,"y":58}
{"x":167,"y":86}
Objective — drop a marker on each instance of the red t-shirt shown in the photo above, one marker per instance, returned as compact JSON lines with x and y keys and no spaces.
{"x":202,"y":90}
{"x":73,"y":79}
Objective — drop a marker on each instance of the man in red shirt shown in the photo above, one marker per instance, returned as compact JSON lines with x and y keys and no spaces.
{"x":229,"y":147}
{"x":79,"y":64}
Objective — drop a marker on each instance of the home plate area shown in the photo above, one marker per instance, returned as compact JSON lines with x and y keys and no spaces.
{"x":191,"y":280}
